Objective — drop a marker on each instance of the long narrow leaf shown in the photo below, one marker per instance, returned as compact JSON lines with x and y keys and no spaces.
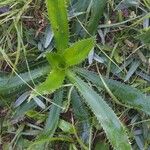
{"x":81,"y":113}
{"x":132,"y":69}
{"x":126,"y":94}
{"x":96,"y":13}
{"x":59,"y":21}
{"x":53,"y":117}
{"x":12,"y":84}
{"x":52,"y":120}
{"x":113,"y":128}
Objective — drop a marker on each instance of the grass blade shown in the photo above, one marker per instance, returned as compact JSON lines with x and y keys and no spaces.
{"x":23,"y":109}
{"x":53,"y":82}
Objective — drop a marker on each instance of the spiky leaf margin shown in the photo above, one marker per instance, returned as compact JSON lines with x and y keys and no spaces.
{"x":113,"y":128}
{"x":14,"y":84}
{"x":78,"y":51}
{"x":57,"y":13}
{"x":126,"y":94}
{"x":53,"y":82}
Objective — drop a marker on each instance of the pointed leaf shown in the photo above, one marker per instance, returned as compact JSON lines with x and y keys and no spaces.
{"x":115,"y":131}
{"x":59,"y":21}
{"x":126,"y":94}
{"x":53,"y":82}
{"x":79,"y":109}
{"x":78,"y":51}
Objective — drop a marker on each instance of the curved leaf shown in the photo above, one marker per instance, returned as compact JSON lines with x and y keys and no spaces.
{"x":78,"y":51}
{"x":125,"y":93}
{"x":59,"y":21}
{"x":53,"y":82}
{"x":115,"y":131}
{"x":12,"y":84}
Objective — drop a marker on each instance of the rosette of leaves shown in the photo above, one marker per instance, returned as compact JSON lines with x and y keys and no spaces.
{"x":62,"y":63}
{"x":62,"y":67}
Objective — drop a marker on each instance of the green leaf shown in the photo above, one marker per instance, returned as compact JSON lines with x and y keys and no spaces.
{"x":35,"y":145}
{"x":56,"y":60}
{"x":59,"y":21}
{"x":35,"y":115}
{"x":127,"y":4}
{"x":53,"y":82}
{"x":101,"y":146}
{"x":145,"y":36}
{"x":124,"y":93}
{"x":135,"y":64}
{"x":66,"y":126}
{"x":52,"y":120}
{"x":12,"y":84}
{"x":96,"y":13}
{"x":113,"y":128}
{"x":23,"y":109}
{"x":78,"y":51}
{"x":54,"y":113}
{"x":82,"y":115}
{"x":79,"y":109}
